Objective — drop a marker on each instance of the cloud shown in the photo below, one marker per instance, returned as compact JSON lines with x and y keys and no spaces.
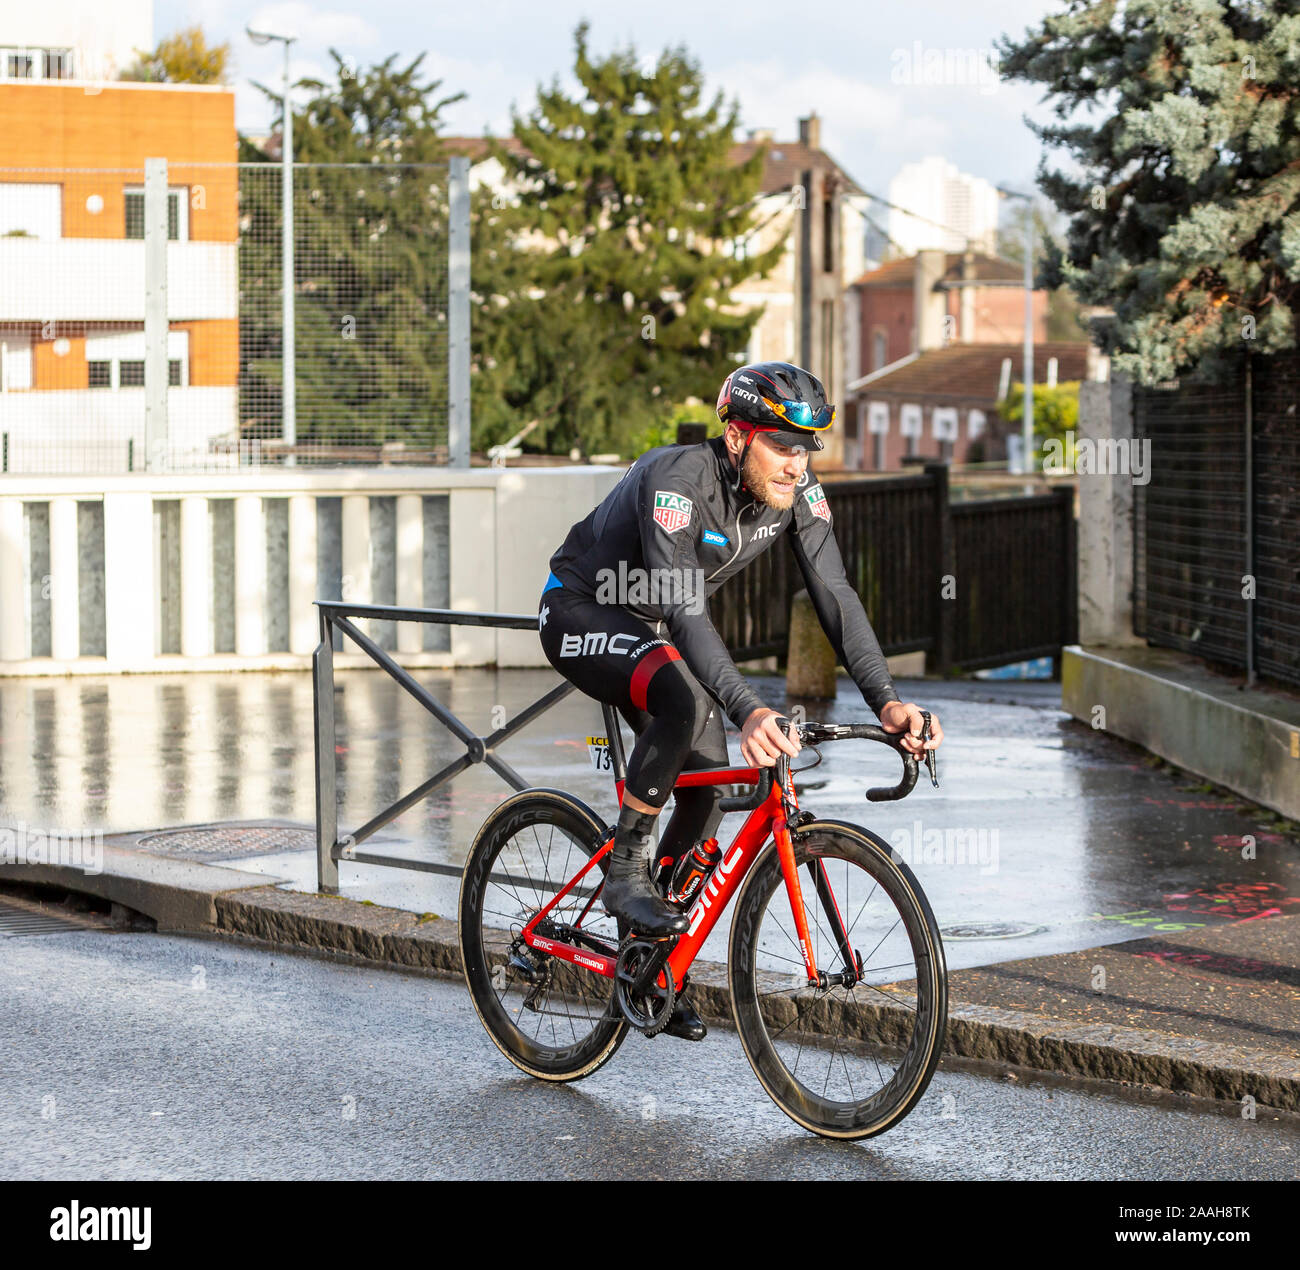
{"x":859,"y":119}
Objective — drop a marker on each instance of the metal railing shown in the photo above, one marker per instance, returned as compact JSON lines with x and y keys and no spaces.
{"x":1011,"y":561}
{"x":335,"y":615}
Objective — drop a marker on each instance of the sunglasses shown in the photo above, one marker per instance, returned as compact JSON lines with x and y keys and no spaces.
{"x":800,"y":414}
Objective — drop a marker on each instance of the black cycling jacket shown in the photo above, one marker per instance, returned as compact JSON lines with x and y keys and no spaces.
{"x":676,"y":509}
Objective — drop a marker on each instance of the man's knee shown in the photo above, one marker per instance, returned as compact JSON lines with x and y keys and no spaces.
{"x":675,"y":695}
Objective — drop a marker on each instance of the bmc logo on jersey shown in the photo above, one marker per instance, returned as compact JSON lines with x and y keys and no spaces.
{"x":817,"y":501}
{"x":672,"y":511}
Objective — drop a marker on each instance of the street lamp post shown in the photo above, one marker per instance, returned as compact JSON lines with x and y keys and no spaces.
{"x":1027,"y":424}
{"x":289,"y":392}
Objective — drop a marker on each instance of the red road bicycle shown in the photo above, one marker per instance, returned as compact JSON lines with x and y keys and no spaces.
{"x":835,"y":966}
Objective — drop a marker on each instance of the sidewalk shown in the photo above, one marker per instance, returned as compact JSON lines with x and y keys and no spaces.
{"x":1213,"y":1011}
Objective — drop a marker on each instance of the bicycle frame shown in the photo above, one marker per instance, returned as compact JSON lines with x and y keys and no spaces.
{"x":770,"y":816}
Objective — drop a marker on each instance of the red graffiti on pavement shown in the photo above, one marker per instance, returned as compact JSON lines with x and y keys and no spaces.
{"x":1235,"y":841}
{"x":1246,"y":966}
{"x":1237,"y":899}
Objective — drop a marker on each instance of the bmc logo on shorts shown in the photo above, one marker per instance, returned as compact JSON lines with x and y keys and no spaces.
{"x":817,"y":501}
{"x":596,"y":643}
{"x":672,"y":511}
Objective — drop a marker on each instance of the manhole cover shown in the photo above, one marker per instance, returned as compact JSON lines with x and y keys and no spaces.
{"x":228,"y":842}
{"x":989,"y":930}
{"x":21,"y":921}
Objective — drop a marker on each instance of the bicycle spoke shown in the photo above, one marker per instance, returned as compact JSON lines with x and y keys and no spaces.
{"x":846,"y":1043}
{"x":849,"y":929}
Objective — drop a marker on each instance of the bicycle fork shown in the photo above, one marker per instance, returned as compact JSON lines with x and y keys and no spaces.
{"x":852,"y":971}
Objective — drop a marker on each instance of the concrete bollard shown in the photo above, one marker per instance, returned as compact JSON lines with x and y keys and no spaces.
{"x":810,"y":663}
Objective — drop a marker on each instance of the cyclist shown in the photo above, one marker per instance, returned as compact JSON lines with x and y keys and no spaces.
{"x":622,"y":617}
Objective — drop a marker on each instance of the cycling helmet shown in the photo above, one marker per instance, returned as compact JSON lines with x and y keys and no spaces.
{"x":782,"y":400}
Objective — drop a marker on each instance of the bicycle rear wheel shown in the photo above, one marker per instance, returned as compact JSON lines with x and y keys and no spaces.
{"x":844,"y":1061}
{"x":546,"y":1016}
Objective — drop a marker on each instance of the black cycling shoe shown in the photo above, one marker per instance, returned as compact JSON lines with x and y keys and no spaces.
{"x":685,"y":1023}
{"x":630,"y":895}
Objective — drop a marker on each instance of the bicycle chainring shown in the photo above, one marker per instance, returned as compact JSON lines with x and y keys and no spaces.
{"x":650,"y":1011}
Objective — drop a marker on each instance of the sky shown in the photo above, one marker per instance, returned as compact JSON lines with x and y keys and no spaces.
{"x":859,"y":65}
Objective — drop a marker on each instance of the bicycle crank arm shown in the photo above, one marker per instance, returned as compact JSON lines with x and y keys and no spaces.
{"x":645,"y":981}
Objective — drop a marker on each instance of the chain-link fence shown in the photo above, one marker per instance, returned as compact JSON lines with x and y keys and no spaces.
{"x":143,"y":317}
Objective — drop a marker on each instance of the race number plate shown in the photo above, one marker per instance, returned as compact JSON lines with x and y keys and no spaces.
{"x":598,"y":748}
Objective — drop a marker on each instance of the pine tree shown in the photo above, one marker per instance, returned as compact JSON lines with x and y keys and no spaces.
{"x":606,"y":300}
{"x":1182,"y":119}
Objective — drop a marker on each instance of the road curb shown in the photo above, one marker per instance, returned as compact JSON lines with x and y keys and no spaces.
{"x":207,"y":899}
{"x":1207,"y":1069}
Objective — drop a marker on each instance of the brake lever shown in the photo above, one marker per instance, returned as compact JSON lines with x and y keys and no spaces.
{"x":929,"y":754}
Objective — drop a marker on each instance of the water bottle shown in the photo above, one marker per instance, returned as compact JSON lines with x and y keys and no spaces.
{"x":693,"y":871}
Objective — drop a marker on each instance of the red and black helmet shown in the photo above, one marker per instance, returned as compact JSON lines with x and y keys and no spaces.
{"x":777,"y":398}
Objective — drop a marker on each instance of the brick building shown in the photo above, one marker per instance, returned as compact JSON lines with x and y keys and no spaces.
{"x":72,"y":155}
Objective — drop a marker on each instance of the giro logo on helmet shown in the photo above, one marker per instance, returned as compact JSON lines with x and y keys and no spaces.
{"x":780,"y":399}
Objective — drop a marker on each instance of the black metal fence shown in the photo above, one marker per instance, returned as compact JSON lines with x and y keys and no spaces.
{"x":1216,"y":553}
{"x":974,"y":584}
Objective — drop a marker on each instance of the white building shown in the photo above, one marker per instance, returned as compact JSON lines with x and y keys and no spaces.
{"x":73,"y":146}
{"x":73,"y":39}
{"x":941,"y":196}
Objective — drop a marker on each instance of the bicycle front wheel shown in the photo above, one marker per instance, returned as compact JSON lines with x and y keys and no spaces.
{"x":548,"y":1017}
{"x":852,"y":1058}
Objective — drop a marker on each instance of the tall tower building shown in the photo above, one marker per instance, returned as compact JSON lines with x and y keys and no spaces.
{"x":941,"y":196}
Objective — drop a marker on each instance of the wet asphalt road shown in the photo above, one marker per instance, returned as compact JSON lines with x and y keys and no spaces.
{"x":1072,"y":841}
{"x":149,"y":1056}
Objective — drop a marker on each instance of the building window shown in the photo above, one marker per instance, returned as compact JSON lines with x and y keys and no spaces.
{"x":911,"y":418}
{"x":35,"y":63}
{"x":130,"y":374}
{"x":879,"y":455}
{"x":879,"y":350}
{"x":943,"y":419}
{"x":31,"y":210}
{"x":58,"y":64}
{"x":828,"y":235}
{"x":135,"y":214}
{"x":828,"y":344}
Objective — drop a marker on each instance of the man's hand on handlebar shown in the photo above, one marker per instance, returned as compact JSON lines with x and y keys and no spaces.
{"x":900,"y":716}
{"x":761,"y":738}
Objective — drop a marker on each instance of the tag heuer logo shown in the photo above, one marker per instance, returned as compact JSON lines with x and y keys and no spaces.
{"x":817,"y":501}
{"x":672,"y":511}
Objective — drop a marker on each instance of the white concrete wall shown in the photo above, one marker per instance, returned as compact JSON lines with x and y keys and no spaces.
{"x":534,"y":519}
{"x":92,"y":426}
{"x":504,"y":525}
{"x":102,"y":280}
